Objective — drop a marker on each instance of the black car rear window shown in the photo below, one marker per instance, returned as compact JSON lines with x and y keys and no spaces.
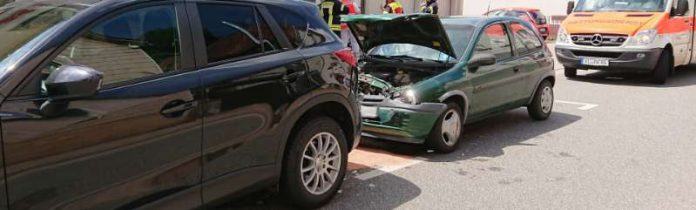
{"x":230,"y":31}
{"x":301,"y":31}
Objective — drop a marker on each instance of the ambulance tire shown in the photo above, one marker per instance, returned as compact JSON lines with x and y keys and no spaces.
{"x":570,"y":72}
{"x":663,"y":68}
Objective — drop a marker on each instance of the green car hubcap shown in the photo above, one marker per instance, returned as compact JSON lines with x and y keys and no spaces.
{"x":546,"y":99}
{"x":451,"y":127}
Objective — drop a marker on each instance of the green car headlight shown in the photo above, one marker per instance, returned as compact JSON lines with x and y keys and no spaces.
{"x":407,"y":97}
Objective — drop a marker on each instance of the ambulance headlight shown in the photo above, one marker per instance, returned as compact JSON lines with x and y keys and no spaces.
{"x":643,"y":38}
{"x":562,"y":37}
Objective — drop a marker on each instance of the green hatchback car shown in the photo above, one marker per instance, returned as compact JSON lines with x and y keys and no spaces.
{"x":423,"y":78}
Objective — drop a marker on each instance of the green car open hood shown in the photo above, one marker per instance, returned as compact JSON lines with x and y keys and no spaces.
{"x":419,"y":29}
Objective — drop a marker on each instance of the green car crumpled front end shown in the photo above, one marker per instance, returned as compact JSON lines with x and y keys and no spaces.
{"x":393,"y":120}
{"x":394,"y":114}
{"x":400,"y":54}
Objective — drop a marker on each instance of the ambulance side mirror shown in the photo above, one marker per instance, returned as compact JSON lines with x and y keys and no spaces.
{"x":682,"y":8}
{"x":571,"y":7}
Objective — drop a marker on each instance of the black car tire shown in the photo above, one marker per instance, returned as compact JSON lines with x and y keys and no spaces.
{"x":663,"y":68}
{"x":437,"y":140}
{"x":292,"y":178}
{"x":570,"y":72}
{"x":540,"y":108}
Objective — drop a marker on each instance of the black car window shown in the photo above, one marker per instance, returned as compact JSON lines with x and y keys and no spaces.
{"x":270,"y":42}
{"x":318,"y":33}
{"x":293,"y":26}
{"x":136,"y":44}
{"x":494,"y":40}
{"x":230,"y":31}
{"x":301,"y":32}
{"x":525,"y":39}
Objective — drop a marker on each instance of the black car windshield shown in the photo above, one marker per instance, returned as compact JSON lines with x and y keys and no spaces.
{"x":23,"y":23}
{"x":460,"y":36}
{"x":621,"y":6}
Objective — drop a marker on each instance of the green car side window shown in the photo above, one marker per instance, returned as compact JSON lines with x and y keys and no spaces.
{"x":495,"y":41}
{"x":525,"y":39}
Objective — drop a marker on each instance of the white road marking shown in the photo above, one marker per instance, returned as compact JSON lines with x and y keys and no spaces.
{"x":388,"y":169}
{"x":583,"y":106}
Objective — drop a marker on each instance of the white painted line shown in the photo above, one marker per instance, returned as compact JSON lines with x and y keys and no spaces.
{"x":388,"y":169}
{"x":583,"y":106}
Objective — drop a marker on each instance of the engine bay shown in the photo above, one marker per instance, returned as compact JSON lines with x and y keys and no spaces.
{"x":386,"y":79}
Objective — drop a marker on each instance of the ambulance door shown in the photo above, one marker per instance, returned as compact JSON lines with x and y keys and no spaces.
{"x":692,"y":28}
{"x":680,"y":29}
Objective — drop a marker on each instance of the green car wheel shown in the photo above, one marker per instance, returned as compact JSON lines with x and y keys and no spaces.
{"x":542,"y":104}
{"x":447,"y":132}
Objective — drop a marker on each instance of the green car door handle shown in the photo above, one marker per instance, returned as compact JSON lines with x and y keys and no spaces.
{"x":539,"y":55}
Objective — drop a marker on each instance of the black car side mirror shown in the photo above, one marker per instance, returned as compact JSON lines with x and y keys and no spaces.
{"x":682,"y":8}
{"x":73,"y":82}
{"x":481,"y":60}
{"x":571,"y":7}
{"x":67,"y":83}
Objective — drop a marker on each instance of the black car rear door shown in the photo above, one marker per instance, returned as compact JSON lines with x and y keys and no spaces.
{"x":135,"y":144}
{"x":249,"y":71}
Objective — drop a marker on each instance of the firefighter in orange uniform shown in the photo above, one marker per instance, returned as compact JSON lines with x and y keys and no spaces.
{"x":331,"y":11}
{"x":393,"y":7}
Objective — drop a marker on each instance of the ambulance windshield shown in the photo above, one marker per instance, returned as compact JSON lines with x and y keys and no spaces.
{"x":621,"y":6}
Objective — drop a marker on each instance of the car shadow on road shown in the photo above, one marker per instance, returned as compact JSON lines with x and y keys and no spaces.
{"x":486,"y":138}
{"x":682,"y":77}
{"x":351,"y":196}
{"x":489,"y":137}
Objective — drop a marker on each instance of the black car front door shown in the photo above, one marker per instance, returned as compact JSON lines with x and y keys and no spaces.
{"x":136,"y":143}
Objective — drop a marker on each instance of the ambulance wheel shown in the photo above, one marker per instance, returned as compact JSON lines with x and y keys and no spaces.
{"x":571,"y":72}
{"x":663,"y":68}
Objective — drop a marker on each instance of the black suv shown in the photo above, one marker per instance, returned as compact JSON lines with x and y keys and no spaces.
{"x":123,"y":104}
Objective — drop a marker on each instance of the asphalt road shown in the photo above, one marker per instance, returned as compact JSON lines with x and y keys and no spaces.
{"x":613,"y":142}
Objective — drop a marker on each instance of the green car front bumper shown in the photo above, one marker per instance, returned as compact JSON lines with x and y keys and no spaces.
{"x":400,"y":122}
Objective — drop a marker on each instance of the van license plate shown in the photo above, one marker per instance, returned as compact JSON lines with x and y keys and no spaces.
{"x":368,"y":111}
{"x":594,"y":61}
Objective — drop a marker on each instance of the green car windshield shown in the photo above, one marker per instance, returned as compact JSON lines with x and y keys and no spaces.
{"x":459,"y":35}
{"x":24,"y":24}
{"x":410,"y":50}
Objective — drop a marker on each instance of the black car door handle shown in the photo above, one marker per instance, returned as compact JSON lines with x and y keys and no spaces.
{"x":516,"y":69}
{"x":177,"y":108}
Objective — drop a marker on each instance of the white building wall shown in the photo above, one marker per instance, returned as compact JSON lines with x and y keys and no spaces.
{"x":447,"y":7}
{"x":548,"y":7}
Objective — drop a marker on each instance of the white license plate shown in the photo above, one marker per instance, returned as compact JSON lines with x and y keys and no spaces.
{"x":368,"y":111}
{"x":594,"y":61}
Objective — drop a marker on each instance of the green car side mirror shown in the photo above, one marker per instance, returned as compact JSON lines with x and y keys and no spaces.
{"x":480,"y":60}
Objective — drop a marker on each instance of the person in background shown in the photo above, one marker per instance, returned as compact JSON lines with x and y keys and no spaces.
{"x":393,"y":7}
{"x":346,"y":35}
{"x":331,"y":11}
{"x":430,"y":7}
